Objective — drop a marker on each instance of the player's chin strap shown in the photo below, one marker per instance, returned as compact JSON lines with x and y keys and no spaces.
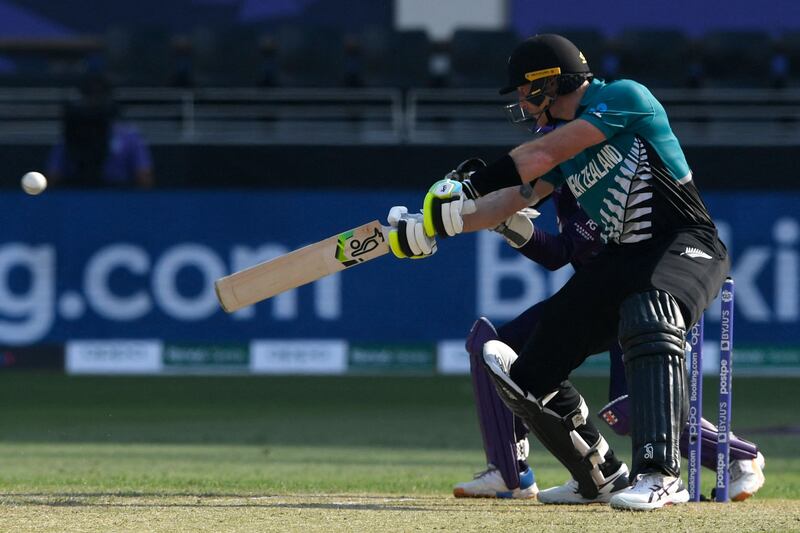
{"x":551,"y":124}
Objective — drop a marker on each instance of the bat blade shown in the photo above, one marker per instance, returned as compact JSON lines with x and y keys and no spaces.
{"x":302,"y":266}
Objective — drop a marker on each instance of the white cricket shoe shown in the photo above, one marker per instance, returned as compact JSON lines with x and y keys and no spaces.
{"x":651,"y":491}
{"x":746,"y":477}
{"x":490,"y":484}
{"x":568,"y":494}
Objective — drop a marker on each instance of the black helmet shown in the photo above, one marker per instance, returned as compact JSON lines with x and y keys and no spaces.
{"x":542,"y":56}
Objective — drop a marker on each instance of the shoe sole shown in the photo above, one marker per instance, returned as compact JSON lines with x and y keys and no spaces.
{"x":742,"y":496}
{"x":641,"y":507}
{"x":461,"y":493}
{"x":587,"y":502}
{"x":575,"y":502}
{"x":647,"y":506}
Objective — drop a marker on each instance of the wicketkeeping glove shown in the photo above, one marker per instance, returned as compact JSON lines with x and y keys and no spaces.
{"x":517,"y":229}
{"x":407,"y":238}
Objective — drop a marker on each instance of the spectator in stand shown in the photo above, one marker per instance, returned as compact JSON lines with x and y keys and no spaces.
{"x":96,"y":150}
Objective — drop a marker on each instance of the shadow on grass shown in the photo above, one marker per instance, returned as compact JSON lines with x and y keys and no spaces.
{"x":435,"y":412}
{"x":88,"y":499}
{"x":339,"y":502}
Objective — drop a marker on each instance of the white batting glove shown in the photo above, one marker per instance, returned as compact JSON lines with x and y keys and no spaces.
{"x":407,"y":237}
{"x":445,"y":205}
{"x":517,"y":229}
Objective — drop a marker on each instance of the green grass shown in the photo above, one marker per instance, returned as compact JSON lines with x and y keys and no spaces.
{"x":103,"y":453}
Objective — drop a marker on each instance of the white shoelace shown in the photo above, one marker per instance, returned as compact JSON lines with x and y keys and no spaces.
{"x":659,"y":490}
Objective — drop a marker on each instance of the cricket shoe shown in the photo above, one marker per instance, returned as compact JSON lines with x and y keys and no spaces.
{"x":651,"y":491}
{"x":490,"y":484}
{"x":568,"y":493}
{"x":746,"y":477}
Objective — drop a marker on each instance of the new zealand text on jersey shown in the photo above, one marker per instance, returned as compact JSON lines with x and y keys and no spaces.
{"x":607,"y":158}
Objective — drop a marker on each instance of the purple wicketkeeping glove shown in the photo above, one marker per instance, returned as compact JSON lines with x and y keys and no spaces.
{"x":617,"y":415}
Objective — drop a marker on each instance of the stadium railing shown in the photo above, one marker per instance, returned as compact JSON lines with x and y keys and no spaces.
{"x":747,"y":117}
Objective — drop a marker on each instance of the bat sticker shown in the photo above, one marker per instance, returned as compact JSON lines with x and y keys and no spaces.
{"x":356,"y":247}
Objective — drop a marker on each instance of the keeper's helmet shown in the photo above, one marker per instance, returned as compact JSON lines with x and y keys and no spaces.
{"x":552,"y":64}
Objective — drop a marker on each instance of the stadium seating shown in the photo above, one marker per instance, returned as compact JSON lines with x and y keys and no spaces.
{"x":595,"y":48}
{"x":231,"y":57}
{"x":143,"y":57}
{"x":395,"y":58}
{"x":28,"y":62}
{"x":478,"y":57}
{"x":737,"y":58}
{"x":309,"y":57}
{"x":657,"y":57}
{"x":786,"y":63}
{"x":293,"y":55}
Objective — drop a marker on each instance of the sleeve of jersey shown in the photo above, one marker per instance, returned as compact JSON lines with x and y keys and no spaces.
{"x":555,"y":177}
{"x":550,"y":251}
{"x":620,"y":106}
{"x":578,"y":242}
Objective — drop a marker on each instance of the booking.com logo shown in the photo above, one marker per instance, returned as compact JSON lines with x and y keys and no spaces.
{"x":778,"y":260}
{"x":34,"y":295}
{"x":42,"y":285}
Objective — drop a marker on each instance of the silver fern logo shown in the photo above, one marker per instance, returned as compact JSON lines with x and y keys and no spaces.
{"x":627,"y":210}
{"x":694,"y":253}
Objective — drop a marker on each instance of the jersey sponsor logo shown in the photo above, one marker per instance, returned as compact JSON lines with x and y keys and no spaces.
{"x":695,"y":253}
{"x":586,"y":234}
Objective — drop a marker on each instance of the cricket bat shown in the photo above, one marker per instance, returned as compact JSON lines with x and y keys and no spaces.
{"x":302,"y":266}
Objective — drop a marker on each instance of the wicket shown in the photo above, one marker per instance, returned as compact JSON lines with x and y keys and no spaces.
{"x":725,"y":397}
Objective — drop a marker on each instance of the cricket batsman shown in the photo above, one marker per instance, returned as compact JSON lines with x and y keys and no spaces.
{"x":662,"y":265}
{"x":508,"y":473}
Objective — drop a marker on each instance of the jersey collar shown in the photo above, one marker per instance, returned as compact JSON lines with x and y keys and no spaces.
{"x":589,"y":95}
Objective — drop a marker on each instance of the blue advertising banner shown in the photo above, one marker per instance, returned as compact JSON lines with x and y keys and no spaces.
{"x":527,"y":19}
{"x":111,"y":265}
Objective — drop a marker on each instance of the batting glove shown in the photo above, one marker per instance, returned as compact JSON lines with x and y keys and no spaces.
{"x":445,"y":205}
{"x":445,"y":201}
{"x":407,"y":237}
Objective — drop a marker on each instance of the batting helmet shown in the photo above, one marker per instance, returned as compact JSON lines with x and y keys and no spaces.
{"x":543,"y":56}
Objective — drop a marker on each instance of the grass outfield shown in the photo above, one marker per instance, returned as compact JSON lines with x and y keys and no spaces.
{"x":318,"y":454}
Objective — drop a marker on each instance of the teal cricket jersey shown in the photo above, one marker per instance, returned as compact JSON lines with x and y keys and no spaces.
{"x":636,"y":184}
